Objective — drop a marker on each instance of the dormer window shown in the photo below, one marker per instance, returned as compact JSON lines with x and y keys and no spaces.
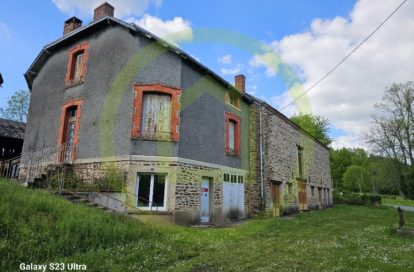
{"x":76,"y":68}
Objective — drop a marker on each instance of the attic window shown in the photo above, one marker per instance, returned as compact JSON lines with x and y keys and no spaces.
{"x":76,"y":67}
{"x":233,"y":99}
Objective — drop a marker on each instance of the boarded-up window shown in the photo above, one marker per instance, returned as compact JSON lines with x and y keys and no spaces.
{"x":156,"y":116}
{"x":232,"y":126}
{"x":78,"y":66}
{"x":232,"y":134}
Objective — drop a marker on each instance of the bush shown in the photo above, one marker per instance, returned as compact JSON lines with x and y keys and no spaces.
{"x":356,"y":198}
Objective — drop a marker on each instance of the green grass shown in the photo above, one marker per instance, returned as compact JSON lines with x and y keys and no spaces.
{"x":397,"y":200}
{"x":40,"y":228}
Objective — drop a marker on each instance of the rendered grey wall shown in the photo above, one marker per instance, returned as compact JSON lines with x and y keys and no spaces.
{"x":202,"y":121}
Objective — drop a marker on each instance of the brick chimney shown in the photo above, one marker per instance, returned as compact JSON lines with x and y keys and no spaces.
{"x":103,"y":10}
{"x":71,"y":24}
{"x":240,"y":83}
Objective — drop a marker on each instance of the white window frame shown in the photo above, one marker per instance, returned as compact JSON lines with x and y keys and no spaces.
{"x":149,"y":208}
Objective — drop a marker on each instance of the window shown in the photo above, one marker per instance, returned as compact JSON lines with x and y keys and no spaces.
{"x":289,"y":188}
{"x":156,"y":112}
{"x":232,"y":134}
{"x":76,"y":68}
{"x":313,"y":190}
{"x":151,"y":191}
{"x":300,"y":161}
{"x":233,"y":99}
{"x":233,"y":178}
{"x":156,"y":116}
{"x":232,"y":126}
{"x":68,"y":130}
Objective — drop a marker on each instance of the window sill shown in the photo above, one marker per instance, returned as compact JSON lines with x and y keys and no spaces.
{"x":143,"y":139}
{"x":73,"y":83}
{"x":301,"y":179}
{"x":233,"y":155}
{"x":145,"y":211}
{"x":233,"y":106}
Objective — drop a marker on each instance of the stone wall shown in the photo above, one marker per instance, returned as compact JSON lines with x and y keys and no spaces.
{"x":183,"y":184}
{"x":281,"y":139}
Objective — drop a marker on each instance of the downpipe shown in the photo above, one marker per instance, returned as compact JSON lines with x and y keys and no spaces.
{"x":262,"y":200}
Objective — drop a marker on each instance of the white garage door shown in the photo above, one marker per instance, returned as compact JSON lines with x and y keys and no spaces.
{"x":233,"y":196}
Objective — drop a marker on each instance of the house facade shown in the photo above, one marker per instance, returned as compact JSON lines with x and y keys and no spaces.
{"x":186,"y":140}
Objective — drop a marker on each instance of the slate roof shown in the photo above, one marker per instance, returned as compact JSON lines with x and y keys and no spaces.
{"x":12,"y":129}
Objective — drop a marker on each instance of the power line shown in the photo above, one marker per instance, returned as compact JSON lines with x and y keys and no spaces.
{"x":346,"y":57}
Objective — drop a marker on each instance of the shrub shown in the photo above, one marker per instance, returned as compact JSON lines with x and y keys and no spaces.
{"x":356,"y":198}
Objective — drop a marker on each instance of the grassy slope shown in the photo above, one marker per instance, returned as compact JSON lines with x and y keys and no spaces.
{"x":397,"y":200}
{"x":37,"y":227}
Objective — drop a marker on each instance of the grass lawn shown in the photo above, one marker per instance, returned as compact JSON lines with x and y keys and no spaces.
{"x":36,"y":227}
{"x":397,"y":200}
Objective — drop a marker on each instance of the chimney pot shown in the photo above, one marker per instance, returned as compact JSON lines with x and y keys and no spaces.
{"x":240,"y":83}
{"x":71,"y":24}
{"x":102,"y":11}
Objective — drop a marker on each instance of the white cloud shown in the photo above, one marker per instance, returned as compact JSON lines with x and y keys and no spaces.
{"x":347,"y":96}
{"x":349,"y":141}
{"x":175,"y":31}
{"x":232,"y":70}
{"x":122,"y":7}
{"x":226,"y":59}
{"x":4,"y":31}
{"x":264,"y":60}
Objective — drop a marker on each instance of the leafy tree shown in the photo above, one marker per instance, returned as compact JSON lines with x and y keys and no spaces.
{"x":356,"y":179}
{"x":359,"y":157}
{"x":392,"y":133}
{"x":340,"y":161}
{"x":17,"y":107}
{"x":315,"y":125}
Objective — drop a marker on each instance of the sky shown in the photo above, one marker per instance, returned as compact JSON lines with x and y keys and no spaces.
{"x":311,"y":36}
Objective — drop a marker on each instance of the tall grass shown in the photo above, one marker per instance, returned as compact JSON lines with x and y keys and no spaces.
{"x":36,"y":226}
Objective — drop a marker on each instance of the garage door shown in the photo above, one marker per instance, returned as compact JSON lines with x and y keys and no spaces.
{"x":233,"y":196}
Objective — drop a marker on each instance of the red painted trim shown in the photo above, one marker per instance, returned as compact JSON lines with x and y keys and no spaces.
{"x":64,"y":122}
{"x":70,"y":66}
{"x":175,"y":107}
{"x":232,"y":117}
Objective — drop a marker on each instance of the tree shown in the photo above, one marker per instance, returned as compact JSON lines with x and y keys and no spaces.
{"x":316,"y":126}
{"x":17,"y":107}
{"x":340,"y":161}
{"x":392,"y":133}
{"x":356,"y":179}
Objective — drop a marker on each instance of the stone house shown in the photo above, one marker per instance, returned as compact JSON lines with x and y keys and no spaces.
{"x":187,"y":141}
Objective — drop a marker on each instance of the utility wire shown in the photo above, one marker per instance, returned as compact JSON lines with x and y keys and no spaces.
{"x":346,"y":57}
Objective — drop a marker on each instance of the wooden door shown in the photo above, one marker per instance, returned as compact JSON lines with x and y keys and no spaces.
{"x":276,"y":199}
{"x":303,"y":199}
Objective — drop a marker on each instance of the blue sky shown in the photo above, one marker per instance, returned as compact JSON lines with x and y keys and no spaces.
{"x":310,"y":35}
